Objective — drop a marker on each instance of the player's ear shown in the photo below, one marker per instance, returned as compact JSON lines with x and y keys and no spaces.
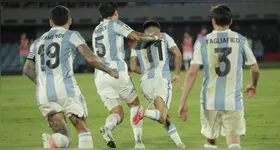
{"x":51,"y":23}
{"x":230,"y":22}
{"x":70,"y":21}
{"x":213,"y":22}
{"x":116,"y":14}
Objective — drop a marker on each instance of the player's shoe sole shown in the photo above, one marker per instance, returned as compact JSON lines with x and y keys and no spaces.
{"x":48,"y":141}
{"x":139,"y":115}
{"x":107,"y":136}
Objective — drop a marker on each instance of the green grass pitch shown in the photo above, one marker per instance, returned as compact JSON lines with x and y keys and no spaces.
{"x":22,"y":124}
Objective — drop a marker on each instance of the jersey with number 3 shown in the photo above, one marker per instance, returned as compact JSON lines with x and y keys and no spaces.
{"x":108,"y":44}
{"x":154,"y":57}
{"x":222,"y":54}
{"x":53,"y":54}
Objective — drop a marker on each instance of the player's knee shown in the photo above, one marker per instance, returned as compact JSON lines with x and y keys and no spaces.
{"x":79,"y":124}
{"x":134,"y":103}
{"x":58,"y":124}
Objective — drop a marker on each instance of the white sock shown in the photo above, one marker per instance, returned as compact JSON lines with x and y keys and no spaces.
{"x":112,"y":121}
{"x":85,"y":140}
{"x":137,"y":129}
{"x":210,"y":146}
{"x":60,"y":140}
{"x":152,"y":114}
{"x":234,"y":146}
{"x":171,"y":130}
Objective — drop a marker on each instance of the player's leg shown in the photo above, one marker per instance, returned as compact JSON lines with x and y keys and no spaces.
{"x":75,"y":109}
{"x":160,"y":105}
{"x":210,"y":126}
{"x":128,"y":93}
{"x":234,"y":127}
{"x":60,"y":138}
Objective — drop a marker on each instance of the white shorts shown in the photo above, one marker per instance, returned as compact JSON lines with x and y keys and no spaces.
{"x":70,"y":106}
{"x":112,"y":90}
{"x":187,"y":56}
{"x":157,"y":87}
{"x":232,"y":123}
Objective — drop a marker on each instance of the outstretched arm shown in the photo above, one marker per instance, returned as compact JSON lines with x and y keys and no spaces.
{"x":134,"y":66}
{"x":95,"y":61}
{"x":178,"y":63}
{"x":137,"y":36}
{"x":29,"y":70}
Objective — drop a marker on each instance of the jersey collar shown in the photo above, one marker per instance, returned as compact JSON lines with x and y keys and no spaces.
{"x":57,"y":28}
{"x":227,"y":30}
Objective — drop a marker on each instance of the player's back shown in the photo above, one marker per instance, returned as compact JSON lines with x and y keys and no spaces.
{"x":154,"y":57}
{"x":108,"y":43}
{"x":223,"y":54}
{"x":54,"y":53}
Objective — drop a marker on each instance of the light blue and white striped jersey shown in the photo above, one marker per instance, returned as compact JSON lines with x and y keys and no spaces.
{"x":222,"y":54}
{"x":53,"y":54}
{"x":108,"y":44}
{"x":154,"y":57}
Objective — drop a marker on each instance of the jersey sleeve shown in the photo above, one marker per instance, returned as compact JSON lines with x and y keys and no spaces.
{"x":133,"y":53}
{"x":197,"y":56}
{"x":31,"y":55}
{"x":76,"y":39}
{"x":248,"y":54}
{"x":122,"y":28}
{"x":170,"y":41}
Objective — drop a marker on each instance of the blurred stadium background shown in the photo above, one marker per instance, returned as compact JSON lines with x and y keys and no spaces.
{"x":258,"y":20}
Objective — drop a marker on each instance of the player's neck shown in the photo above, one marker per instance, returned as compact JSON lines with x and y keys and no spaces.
{"x":109,"y":18}
{"x":221,"y":28}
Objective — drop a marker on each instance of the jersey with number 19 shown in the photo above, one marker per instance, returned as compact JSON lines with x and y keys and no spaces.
{"x":222,"y":54}
{"x":53,"y":54}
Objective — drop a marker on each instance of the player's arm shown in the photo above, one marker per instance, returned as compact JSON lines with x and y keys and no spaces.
{"x":137,"y":36}
{"x":95,"y":61}
{"x":124,"y":30}
{"x":133,"y":62}
{"x":173,"y":48}
{"x":29,"y":66}
{"x":251,"y":61}
{"x":134,"y":66}
{"x":190,"y":80}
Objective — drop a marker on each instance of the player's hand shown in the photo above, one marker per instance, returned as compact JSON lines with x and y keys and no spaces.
{"x":114,"y":73}
{"x":176,"y":81}
{"x":250,"y":91}
{"x":183,"y":112}
{"x":158,"y":34}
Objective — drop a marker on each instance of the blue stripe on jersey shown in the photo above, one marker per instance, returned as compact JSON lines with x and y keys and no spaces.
{"x":65,"y":64}
{"x":113,"y":49}
{"x":238,"y":87}
{"x":35,"y":46}
{"x":50,"y":87}
{"x":165,"y":68}
{"x":205,"y":61}
{"x":221,"y":81}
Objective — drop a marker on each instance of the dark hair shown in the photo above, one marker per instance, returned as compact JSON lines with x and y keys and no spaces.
{"x":222,"y":15}
{"x":60,"y":15}
{"x":151,"y":23}
{"x":107,"y":9}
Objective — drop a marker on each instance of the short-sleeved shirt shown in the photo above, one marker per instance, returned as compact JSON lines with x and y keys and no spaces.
{"x":154,"y":57}
{"x":108,"y":44}
{"x":222,"y":54}
{"x":53,"y":54}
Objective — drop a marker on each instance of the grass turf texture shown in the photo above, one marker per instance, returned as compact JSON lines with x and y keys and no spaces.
{"x":21,"y":123}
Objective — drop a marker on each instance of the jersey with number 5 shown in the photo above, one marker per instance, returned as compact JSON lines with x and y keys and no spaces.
{"x":108,"y":43}
{"x":154,"y":57}
{"x":222,"y":54}
{"x":53,"y":54}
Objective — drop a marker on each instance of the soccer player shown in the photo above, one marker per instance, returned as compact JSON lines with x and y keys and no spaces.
{"x":107,"y":39}
{"x":222,"y":54}
{"x":50,"y":67}
{"x":155,"y":77}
